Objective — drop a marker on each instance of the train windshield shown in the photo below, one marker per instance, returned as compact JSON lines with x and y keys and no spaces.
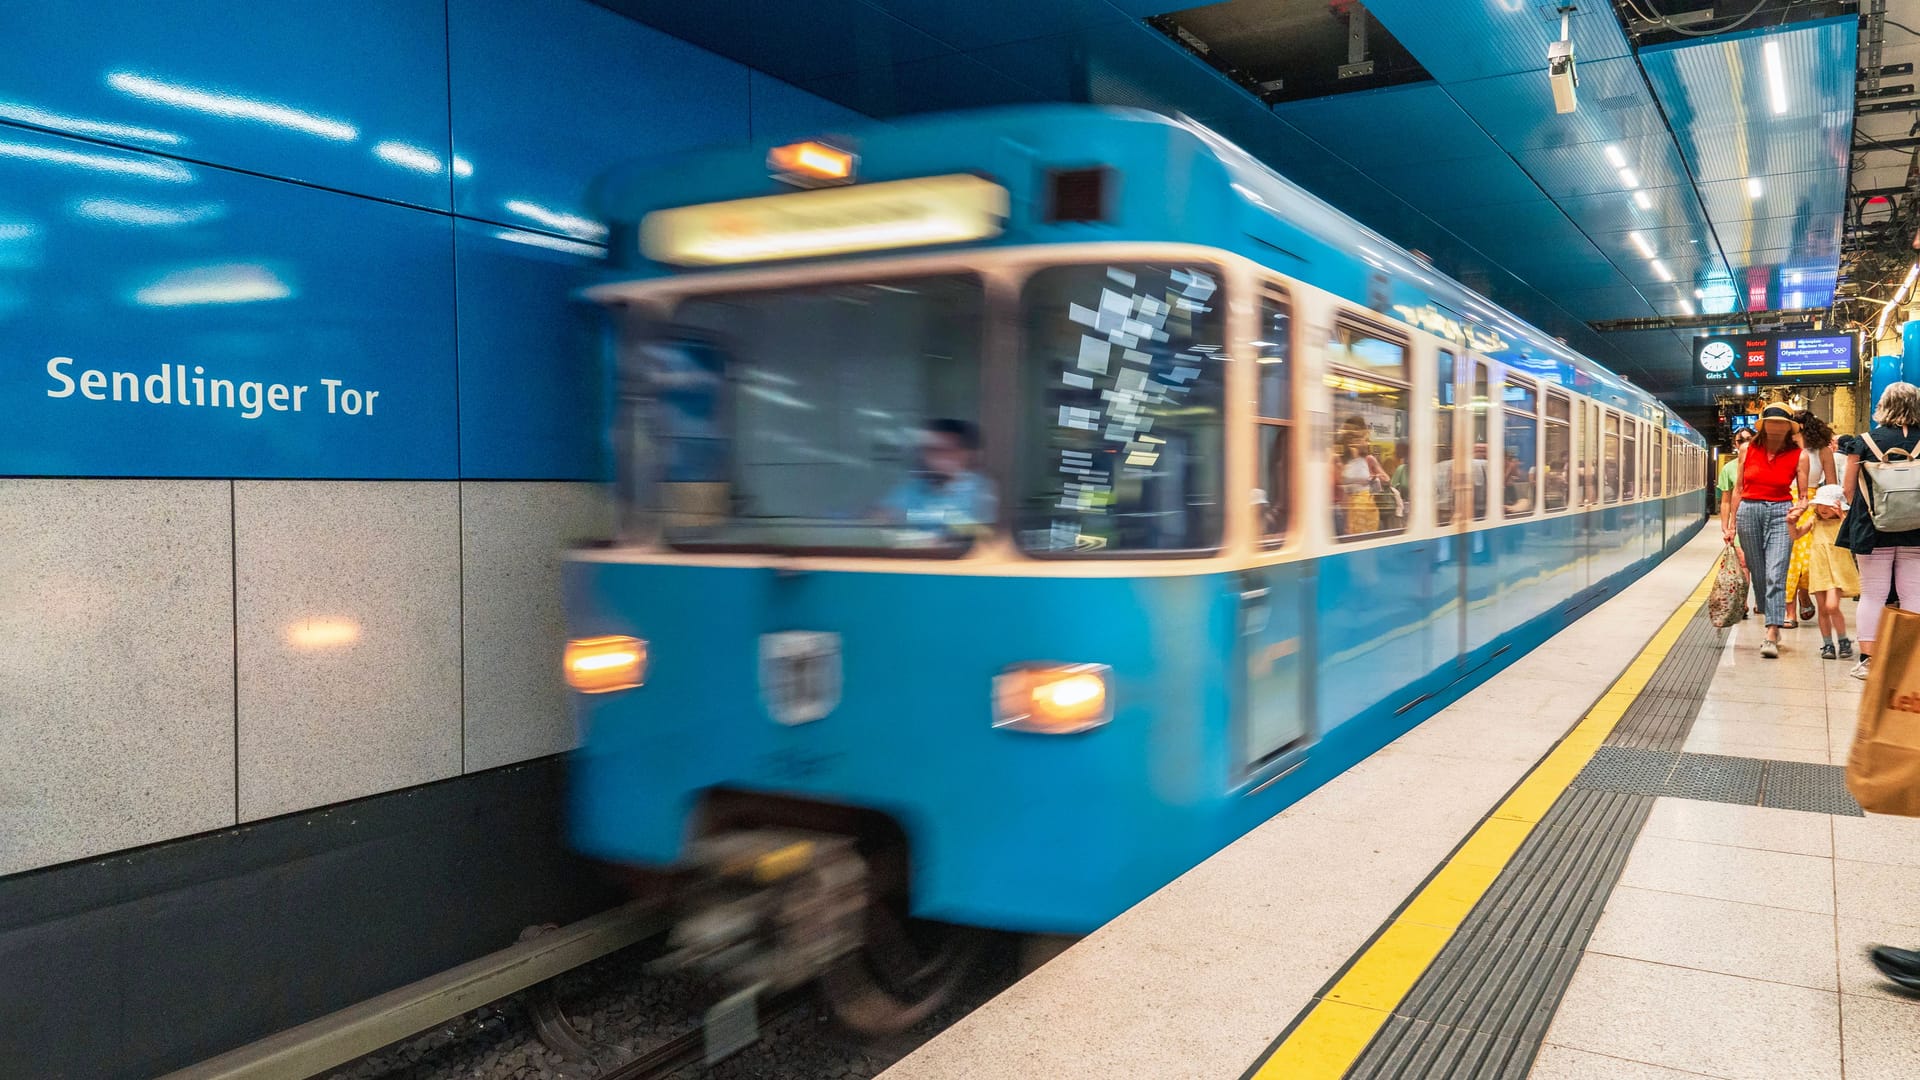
{"x":829,"y":417}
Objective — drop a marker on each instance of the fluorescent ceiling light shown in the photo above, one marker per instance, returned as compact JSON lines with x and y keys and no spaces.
{"x":1776,"y":79}
{"x":125,"y":212}
{"x":74,"y":125}
{"x":242,"y":284}
{"x":407,"y":156}
{"x":1660,"y":270}
{"x":1643,"y":200}
{"x":1880,"y":329}
{"x":1686,"y":307}
{"x":552,"y":243}
{"x":1629,"y":179}
{"x":1699,"y":294}
{"x":1640,"y":242}
{"x":235,"y":106}
{"x":585,"y":228}
{"x":1615,"y":158}
{"x":1753,"y":187}
{"x":124,"y":164}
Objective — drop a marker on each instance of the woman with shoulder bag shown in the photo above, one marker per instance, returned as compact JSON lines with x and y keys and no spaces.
{"x":1886,"y":559}
{"x":1769,"y":492}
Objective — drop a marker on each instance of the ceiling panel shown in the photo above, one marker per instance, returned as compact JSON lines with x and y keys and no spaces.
{"x":1585,"y":169}
{"x":1684,"y":269}
{"x":1392,"y":128}
{"x":1810,"y":234}
{"x":1459,"y":41}
{"x":1449,"y":185}
{"x":1737,"y":152}
{"x":1615,"y":211}
{"x":1613,"y":302}
{"x":979,"y":23}
{"x":953,"y":81}
{"x":794,"y":41}
{"x":1813,"y":191}
{"x":1517,"y":110}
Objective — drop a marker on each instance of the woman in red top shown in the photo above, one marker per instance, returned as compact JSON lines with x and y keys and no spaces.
{"x":1769,"y":490}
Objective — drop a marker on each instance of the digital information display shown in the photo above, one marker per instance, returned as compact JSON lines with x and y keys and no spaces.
{"x":1774,"y":358}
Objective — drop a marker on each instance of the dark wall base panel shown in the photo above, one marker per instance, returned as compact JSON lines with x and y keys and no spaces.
{"x":145,"y":961}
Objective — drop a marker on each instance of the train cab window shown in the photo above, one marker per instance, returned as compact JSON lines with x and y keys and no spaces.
{"x":1521,"y":431}
{"x":1629,"y":460}
{"x":1122,"y":404}
{"x":1273,"y":417}
{"x":1446,"y":409}
{"x":1558,"y":450}
{"x":1610,"y":457}
{"x":1367,"y":378}
{"x":826,"y":417}
{"x":1480,"y":406}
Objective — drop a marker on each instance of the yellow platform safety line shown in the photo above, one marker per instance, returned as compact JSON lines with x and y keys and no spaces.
{"x":1338,"y":1026}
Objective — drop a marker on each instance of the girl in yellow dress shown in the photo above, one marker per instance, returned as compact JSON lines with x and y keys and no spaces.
{"x":1831,"y":573}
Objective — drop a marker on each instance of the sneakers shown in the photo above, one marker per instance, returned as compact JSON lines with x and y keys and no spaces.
{"x":1846,"y":648}
{"x":1826,"y":651}
{"x":1770,"y":650}
{"x":1859,"y":670}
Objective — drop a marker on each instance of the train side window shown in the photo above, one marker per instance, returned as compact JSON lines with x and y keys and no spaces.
{"x":1629,"y":460}
{"x":1559,"y":450}
{"x":1521,"y":428}
{"x":1656,"y":461}
{"x":1273,"y":416}
{"x":1610,"y":457}
{"x":1367,"y":377}
{"x":1445,"y":409}
{"x":1480,"y":406}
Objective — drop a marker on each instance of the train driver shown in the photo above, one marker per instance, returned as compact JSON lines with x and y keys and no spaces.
{"x":947,"y":490}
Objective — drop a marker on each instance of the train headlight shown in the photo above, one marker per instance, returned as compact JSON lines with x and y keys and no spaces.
{"x":598,"y":664}
{"x":1053,"y":699}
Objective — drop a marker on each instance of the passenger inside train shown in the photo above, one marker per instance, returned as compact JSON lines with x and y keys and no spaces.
{"x":946,"y":491}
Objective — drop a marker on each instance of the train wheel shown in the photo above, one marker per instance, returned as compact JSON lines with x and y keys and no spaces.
{"x":904,"y":972}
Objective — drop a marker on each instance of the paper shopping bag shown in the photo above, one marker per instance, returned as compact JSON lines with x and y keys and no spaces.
{"x":1883,"y":769}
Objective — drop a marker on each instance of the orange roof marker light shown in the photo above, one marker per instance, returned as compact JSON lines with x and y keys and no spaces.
{"x":811,"y":164}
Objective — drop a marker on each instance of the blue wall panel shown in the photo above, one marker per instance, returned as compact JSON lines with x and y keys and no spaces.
{"x":547,"y":95}
{"x":781,"y":111}
{"x":349,"y":94}
{"x":533,"y":377}
{"x":125,"y":262}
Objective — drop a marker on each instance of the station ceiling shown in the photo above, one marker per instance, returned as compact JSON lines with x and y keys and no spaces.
{"x":1699,"y":177}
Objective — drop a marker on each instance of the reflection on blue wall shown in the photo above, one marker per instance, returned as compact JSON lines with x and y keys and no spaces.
{"x":266,"y":199}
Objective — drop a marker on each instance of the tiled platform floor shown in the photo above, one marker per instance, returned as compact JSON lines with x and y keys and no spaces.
{"x":1734,"y":945}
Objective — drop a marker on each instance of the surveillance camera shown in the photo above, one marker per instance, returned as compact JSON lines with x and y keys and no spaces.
{"x":1561,"y":74}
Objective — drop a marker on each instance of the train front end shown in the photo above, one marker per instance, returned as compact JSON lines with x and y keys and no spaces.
{"x":916,"y":618}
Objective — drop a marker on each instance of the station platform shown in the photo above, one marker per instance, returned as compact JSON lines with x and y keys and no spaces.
{"x":1630,"y":856}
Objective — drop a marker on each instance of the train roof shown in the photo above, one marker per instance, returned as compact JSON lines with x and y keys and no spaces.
{"x":1173,"y":181}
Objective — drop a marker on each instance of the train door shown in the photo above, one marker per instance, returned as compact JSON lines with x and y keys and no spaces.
{"x":1453,"y":492}
{"x":1275,"y":699}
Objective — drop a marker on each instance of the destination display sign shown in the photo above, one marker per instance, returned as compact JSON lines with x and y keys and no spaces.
{"x":1775,"y":358}
{"x":827,"y":221}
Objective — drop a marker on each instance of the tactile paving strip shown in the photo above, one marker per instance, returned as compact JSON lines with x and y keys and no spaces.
{"x":1481,"y":1010}
{"x":1783,"y":785}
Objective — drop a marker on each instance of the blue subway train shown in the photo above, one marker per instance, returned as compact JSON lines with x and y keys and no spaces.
{"x":1019,"y":506}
